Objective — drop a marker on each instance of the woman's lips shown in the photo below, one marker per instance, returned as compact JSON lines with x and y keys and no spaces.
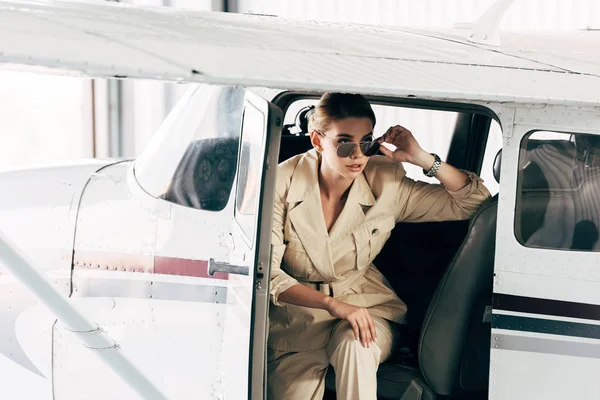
{"x":354,"y":167}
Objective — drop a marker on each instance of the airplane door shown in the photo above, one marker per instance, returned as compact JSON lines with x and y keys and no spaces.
{"x":258,"y":154}
{"x":182,"y":282}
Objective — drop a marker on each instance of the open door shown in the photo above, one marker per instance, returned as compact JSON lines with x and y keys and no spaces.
{"x":181,"y":283}
{"x":258,"y":154}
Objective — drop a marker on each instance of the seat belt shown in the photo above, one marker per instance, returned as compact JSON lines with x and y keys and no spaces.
{"x":414,"y":391}
{"x":487,"y":315}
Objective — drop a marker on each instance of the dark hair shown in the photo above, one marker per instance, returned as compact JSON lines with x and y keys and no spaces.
{"x":337,"y":106}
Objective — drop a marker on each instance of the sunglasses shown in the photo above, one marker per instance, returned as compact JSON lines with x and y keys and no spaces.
{"x":369,"y":148}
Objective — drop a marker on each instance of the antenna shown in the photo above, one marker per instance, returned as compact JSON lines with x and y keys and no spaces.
{"x":487,"y":28}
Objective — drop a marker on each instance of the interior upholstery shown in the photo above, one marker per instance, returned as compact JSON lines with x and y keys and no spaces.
{"x":292,"y":145}
{"x":586,"y":178}
{"x":298,"y":142}
{"x":497,"y":165}
{"x":545,"y":210}
{"x":454,"y":325}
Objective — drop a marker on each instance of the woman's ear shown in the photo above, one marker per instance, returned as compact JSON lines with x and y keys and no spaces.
{"x":315,"y":139}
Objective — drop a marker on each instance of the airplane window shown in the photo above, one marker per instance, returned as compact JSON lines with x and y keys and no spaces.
{"x":251,"y":157}
{"x":192,"y":159}
{"x":558,"y":205}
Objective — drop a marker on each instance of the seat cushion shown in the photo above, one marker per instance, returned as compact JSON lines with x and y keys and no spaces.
{"x":392,"y":381}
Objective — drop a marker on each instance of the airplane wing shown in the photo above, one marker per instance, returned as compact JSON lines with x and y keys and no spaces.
{"x":117,"y":40}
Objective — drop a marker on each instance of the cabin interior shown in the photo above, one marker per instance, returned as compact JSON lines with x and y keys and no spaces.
{"x":443,"y":271}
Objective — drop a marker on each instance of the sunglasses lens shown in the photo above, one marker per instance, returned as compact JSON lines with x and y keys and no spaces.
{"x":346,"y":149}
{"x":370,"y":148}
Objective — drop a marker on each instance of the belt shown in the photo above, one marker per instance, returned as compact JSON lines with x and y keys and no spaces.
{"x":332,"y":289}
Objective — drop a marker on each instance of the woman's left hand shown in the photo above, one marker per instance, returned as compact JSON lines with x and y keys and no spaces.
{"x":407,"y":148}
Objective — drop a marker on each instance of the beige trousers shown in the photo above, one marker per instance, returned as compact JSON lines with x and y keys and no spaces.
{"x":301,"y":376}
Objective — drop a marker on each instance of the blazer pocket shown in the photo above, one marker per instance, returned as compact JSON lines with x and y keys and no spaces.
{"x":380,"y":231}
{"x":370,"y":237}
{"x":362,"y":242}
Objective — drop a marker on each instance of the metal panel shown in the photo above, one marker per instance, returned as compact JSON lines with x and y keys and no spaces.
{"x":154,"y":335}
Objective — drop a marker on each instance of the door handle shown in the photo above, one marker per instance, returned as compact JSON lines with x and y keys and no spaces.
{"x":217,"y":266}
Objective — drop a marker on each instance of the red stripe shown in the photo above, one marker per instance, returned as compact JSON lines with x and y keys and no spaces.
{"x":142,"y":263}
{"x":184,"y":267}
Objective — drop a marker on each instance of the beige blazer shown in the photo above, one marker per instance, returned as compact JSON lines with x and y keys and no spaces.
{"x":339,"y":263}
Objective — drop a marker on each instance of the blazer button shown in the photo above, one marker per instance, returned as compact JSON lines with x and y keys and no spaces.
{"x":375,"y":232}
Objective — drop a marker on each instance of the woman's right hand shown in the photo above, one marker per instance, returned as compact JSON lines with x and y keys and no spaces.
{"x":358,"y":317}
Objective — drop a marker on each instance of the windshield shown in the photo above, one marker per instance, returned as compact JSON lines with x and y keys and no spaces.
{"x":191,"y":161}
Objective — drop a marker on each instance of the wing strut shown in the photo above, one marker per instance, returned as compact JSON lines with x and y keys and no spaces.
{"x":90,"y":335}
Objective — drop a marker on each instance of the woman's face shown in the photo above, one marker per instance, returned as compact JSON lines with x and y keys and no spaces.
{"x":355,"y":130}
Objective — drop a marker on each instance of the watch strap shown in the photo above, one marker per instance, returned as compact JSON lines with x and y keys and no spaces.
{"x":435,"y":167}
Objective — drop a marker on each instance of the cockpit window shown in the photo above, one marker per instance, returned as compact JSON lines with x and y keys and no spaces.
{"x":251,"y":158}
{"x":558,"y":202}
{"x":193,"y":157}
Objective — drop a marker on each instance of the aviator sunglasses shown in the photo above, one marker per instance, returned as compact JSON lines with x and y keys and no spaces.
{"x":369,"y":148}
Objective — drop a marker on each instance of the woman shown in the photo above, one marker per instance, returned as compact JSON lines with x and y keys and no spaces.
{"x":334,"y":209}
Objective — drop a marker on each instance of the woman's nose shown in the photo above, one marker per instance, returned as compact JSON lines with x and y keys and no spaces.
{"x":357,"y":152}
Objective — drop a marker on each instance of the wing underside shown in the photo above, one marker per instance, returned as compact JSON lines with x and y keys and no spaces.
{"x":117,"y":40}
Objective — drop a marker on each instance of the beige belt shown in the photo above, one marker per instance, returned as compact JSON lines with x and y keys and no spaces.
{"x":333,"y":289}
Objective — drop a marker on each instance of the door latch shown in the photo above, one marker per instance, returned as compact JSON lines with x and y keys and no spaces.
{"x":217,"y":266}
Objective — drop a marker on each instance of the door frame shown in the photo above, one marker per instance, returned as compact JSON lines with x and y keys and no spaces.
{"x":260,"y":300}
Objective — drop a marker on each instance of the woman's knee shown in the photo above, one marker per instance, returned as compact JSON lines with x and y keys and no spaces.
{"x":344,"y":343}
{"x":296,"y":375}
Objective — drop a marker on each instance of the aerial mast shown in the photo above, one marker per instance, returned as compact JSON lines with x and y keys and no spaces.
{"x":487,"y":28}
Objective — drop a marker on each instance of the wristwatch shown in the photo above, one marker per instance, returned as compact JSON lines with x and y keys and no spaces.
{"x":435,"y":167}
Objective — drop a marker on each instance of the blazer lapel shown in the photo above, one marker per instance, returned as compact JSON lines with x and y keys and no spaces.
{"x":360,"y":198}
{"x":306,"y":214}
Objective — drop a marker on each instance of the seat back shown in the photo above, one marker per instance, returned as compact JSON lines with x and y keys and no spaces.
{"x":415,"y":271}
{"x":457,"y":309}
{"x":586,"y":185}
{"x":545,"y":209}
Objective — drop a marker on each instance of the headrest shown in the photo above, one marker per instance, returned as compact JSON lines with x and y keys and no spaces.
{"x":302,"y":119}
{"x":498,"y":165}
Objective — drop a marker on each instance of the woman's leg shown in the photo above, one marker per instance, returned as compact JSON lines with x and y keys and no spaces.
{"x":356,"y":366}
{"x":296,"y":376}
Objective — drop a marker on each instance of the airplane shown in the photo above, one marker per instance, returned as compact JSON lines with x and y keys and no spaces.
{"x":149,"y":278}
